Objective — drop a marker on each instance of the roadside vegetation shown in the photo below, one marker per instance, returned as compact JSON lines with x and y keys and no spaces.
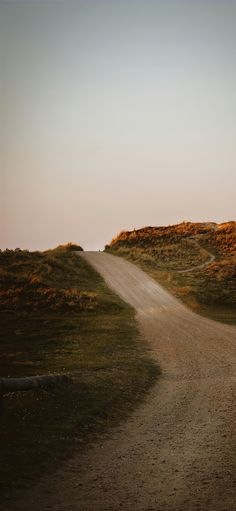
{"x":166,"y":252}
{"x":58,"y":316}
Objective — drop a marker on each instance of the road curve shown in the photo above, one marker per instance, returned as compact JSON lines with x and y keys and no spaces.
{"x":199,"y":266}
{"x":177,"y":452}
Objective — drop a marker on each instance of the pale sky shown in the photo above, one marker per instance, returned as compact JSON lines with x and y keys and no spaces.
{"x":114,"y":115}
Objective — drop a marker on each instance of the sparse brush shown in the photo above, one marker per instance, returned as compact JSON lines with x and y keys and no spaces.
{"x":30,"y":281}
{"x":165,"y":252}
{"x":58,"y":316}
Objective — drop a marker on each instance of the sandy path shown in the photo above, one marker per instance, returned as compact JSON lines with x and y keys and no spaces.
{"x":177,"y":452}
{"x":199,"y":266}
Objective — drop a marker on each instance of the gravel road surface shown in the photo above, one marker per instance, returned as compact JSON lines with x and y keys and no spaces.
{"x":177,"y":451}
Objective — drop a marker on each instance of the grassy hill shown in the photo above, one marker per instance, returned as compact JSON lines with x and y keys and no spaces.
{"x":58,"y":316}
{"x":168,"y":253}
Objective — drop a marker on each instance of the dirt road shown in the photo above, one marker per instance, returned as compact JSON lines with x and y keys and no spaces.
{"x":177,"y":452}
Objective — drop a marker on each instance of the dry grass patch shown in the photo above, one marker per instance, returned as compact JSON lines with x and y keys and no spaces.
{"x":164,"y":251}
{"x":78,"y":326}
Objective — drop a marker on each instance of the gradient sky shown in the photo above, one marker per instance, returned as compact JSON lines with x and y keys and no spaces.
{"x":114,"y":115}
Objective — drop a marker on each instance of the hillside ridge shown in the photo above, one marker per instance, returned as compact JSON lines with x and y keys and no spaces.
{"x":196,"y":261}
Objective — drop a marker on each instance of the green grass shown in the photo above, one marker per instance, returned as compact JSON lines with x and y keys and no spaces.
{"x":99,"y":346}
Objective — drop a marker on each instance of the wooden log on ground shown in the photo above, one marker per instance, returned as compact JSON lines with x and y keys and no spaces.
{"x":32,"y":382}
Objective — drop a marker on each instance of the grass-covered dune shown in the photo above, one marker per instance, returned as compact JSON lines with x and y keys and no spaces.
{"x":58,"y":316}
{"x":167,"y":252}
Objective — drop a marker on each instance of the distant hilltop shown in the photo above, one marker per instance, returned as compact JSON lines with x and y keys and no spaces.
{"x":196,"y":261}
{"x":184,"y":229}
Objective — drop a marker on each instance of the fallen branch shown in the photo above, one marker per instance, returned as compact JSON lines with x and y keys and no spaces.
{"x":32,"y":382}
